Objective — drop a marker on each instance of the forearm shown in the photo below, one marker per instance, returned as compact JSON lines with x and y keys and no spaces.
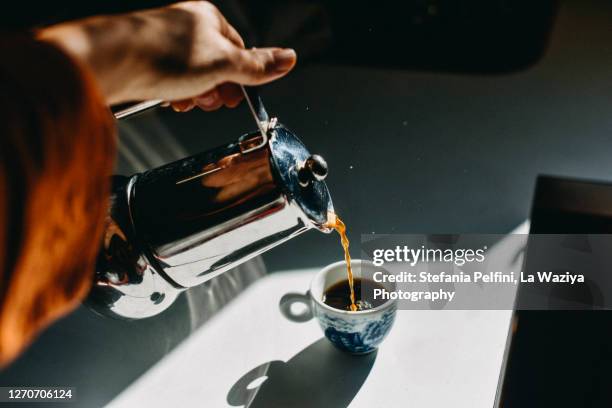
{"x":74,"y":39}
{"x":141,"y":47}
{"x":186,"y":52}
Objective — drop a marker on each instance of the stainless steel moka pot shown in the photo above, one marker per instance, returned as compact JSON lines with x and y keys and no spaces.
{"x":181,"y":224}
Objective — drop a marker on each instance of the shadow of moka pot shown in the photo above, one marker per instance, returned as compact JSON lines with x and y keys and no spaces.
{"x":181,"y":224}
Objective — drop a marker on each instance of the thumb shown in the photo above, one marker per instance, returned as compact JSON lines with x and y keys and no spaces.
{"x":260,"y":65}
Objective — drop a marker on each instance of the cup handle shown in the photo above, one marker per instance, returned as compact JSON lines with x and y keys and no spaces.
{"x":290,"y":299}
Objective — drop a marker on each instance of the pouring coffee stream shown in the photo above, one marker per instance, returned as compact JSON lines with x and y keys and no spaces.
{"x":336,"y":223}
{"x":182,"y":224}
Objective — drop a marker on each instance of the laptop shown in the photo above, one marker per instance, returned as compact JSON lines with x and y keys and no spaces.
{"x":561,"y":358}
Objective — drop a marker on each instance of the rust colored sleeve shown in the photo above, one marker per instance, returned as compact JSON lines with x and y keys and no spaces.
{"x":57,"y":150}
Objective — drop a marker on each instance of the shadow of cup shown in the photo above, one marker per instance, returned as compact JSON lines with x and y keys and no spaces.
{"x":318,"y":376}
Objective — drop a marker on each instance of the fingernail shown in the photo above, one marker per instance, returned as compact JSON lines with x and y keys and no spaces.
{"x":284,"y":59}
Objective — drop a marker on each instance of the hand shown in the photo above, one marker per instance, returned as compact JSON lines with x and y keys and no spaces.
{"x":187,"y":54}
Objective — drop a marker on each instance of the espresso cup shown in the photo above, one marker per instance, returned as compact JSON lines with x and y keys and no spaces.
{"x":357,"y":332}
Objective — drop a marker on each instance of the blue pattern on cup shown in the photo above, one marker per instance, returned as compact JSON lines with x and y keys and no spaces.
{"x":359,"y":338}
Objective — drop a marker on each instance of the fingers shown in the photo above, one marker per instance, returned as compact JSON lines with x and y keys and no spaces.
{"x":230,"y":94}
{"x":209,"y":101}
{"x":227,"y":94}
{"x":260,"y":65}
{"x":184,"y":105}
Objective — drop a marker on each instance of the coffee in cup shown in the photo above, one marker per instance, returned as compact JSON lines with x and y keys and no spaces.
{"x":363,"y":294}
